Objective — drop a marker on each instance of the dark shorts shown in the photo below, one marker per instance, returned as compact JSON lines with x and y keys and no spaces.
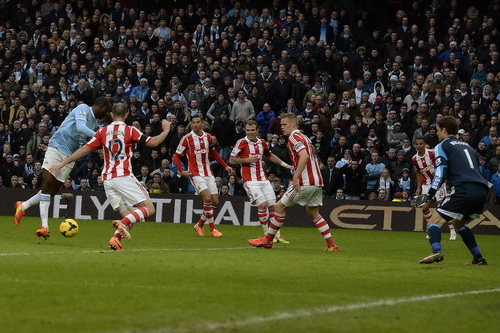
{"x":463,"y":202}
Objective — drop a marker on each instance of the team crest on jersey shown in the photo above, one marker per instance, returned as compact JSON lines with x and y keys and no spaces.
{"x":438,"y":161}
{"x":83,"y":113}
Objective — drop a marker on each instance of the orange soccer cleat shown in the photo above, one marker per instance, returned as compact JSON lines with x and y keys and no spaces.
{"x":215,"y":233}
{"x":19,"y":213}
{"x":261,"y":242}
{"x":43,"y":232}
{"x":115,"y":244}
{"x":331,"y":249}
{"x":199,"y":230}
{"x":122,"y":228}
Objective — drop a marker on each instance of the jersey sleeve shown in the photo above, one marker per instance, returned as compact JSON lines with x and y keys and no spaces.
{"x":137,"y":136}
{"x":265,"y":147}
{"x":181,"y":148}
{"x":238,"y":147}
{"x":441,"y":162}
{"x":96,"y":142}
{"x":82,"y":112}
{"x":414,"y":163}
{"x":296,"y":143}
{"x":432,"y":155}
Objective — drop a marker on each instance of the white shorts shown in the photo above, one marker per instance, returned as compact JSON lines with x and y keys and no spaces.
{"x":204,"y":183}
{"x":52,"y":156}
{"x":259,"y":192}
{"x":440,"y":194}
{"x":125,"y":190}
{"x":425,"y":189}
{"x":310,"y":196}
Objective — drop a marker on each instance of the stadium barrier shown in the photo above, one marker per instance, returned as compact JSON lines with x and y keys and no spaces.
{"x":183,"y":208}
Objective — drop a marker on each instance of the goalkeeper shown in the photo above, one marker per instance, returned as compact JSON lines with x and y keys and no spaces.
{"x":457,"y":163}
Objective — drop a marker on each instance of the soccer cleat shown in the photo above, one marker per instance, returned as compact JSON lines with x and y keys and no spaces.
{"x":261,"y":242}
{"x":199,"y":230}
{"x":215,"y":233}
{"x":434,"y":257}
{"x":453,"y":236}
{"x":123,"y":229}
{"x":19,"y":213}
{"x":480,"y":261}
{"x":331,"y":249}
{"x":43,"y":232}
{"x":115,"y":244}
{"x":280,"y":240}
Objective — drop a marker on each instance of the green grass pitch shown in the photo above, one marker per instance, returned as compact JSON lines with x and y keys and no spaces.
{"x":171,"y":280}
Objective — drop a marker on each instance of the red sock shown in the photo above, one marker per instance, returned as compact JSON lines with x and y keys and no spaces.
{"x":118,"y":235}
{"x":262,"y":213}
{"x":324,"y":230}
{"x":139,"y":214}
{"x":276,"y":222}
{"x":211,"y":222}
{"x":427,"y":216}
{"x":207,"y":214}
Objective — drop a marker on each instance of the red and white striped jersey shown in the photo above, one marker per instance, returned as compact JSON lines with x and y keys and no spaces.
{"x":197,"y":149}
{"x":245,"y":148}
{"x":118,"y":141}
{"x":311,"y":174}
{"x":425,"y":165}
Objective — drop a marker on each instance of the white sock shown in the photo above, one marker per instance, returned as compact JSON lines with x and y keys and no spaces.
{"x":265,"y":228}
{"x":44,"y":209}
{"x":34,"y":200}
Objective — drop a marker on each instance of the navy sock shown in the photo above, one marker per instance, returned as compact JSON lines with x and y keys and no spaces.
{"x":434,"y":232}
{"x":470,"y":241}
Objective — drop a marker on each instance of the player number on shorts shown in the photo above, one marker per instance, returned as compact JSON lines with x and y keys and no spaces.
{"x":115,"y":147}
{"x":469,"y":158}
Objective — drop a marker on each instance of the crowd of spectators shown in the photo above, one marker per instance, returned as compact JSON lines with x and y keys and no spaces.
{"x":365,"y":78}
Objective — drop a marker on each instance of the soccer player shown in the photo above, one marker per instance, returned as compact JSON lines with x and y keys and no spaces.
{"x":122,"y":188}
{"x":248,"y":152}
{"x":306,"y":189}
{"x":457,"y":163}
{"x":424,"y":163}
{"x":74,"y":130}
{"x":197,"y":145}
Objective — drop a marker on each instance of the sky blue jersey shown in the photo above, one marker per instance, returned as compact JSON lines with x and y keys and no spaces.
{"x":456,"y":162}
{"x":72,"y":133}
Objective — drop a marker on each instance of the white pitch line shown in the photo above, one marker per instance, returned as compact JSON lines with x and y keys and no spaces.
{"x":153,"y":287}
{"x":130,"y":250}
{"x":214,"y":326}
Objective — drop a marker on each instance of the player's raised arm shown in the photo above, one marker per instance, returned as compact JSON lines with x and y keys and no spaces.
{"x":276,"y":160}
{"x":215,"y":155}
{"x":157,"y":140}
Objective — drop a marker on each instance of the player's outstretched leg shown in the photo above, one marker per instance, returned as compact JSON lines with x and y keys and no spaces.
{"x":21,"y":207}
{"x":324,"y":230}
{"x":275,"y":223}
{"x":437,"y":255}
{"x":115,"y":242}
{"x":125,"y":224}
{"x":278,"y":237}
{"x":470,"y":241}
